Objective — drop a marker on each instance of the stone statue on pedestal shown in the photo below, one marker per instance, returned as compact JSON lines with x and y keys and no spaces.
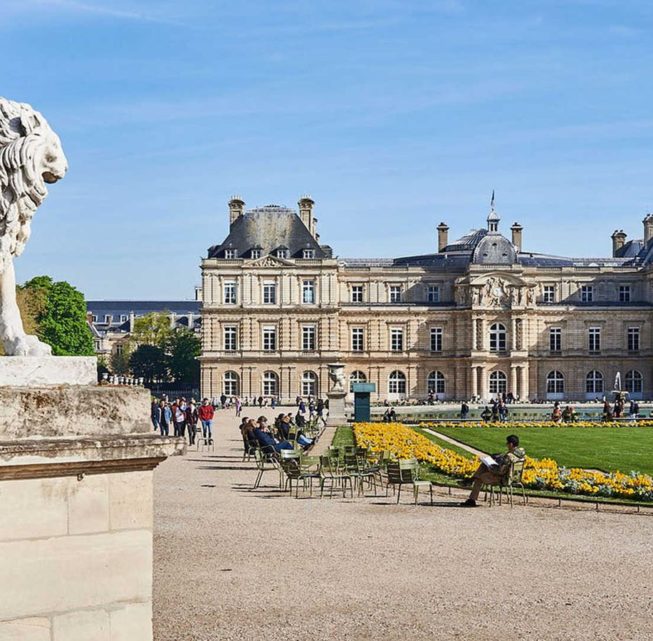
{"x":30,"y":156}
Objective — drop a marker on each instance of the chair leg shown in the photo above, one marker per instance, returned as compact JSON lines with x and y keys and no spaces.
{"x":398,"y":493}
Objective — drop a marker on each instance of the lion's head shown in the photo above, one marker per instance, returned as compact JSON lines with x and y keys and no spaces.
{"x":30,"y":156}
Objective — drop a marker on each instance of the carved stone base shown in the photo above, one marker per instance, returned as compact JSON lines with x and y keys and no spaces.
{"x":39,"y":371}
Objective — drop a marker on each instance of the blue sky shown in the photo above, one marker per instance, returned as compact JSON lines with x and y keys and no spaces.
{"x":392,"y":114}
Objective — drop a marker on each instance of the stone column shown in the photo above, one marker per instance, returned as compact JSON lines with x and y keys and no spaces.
{"x":483,"y":383}
{"x":474,"y":377}
{"x":513,"y":380}
{"x":524,"y":392}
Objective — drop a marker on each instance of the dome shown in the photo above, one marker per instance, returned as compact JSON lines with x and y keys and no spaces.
{"x":494,"y":249}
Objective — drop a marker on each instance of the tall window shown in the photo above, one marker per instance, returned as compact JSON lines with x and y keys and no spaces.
{"x":308,"y":253}
{"x":282,"y":252}
{"x":308,"y":338}
{"x":549,"y":294}
{"x":497,"y":337}
{"x":230,"y":253}
{"x":436,"y":339}
{"x":586,"y":293}
{"x":634,"y":382}
{"x":269,"y":339}
{"x":594,"y":339}
{"x":230,"y":339}
{"x":270,"y":384}
{"x":256,"y":253}
{"x":308,"y":292}
{"x":356,"y":377}
{"x":432,"y":294}
{"x":395,"y":293}
{"x":269,"y":293}
{"x":633,"y":339}
{"x":231,"y":384}
{"x":555,"y":383}
{"x":230,"y":293}
{"x":594,"y":382}
{"x":624,"y":293}
{"x":435,"y":383}
{"x":498,"y":383}
{"x":555,"y":339}
{"x":397,"y":339}
{"x":309,"y":384}
{"x":357,"y":339}
{"x":397,"y":383}
{"x":356,"y":293}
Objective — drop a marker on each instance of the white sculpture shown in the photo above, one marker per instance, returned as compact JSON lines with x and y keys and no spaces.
{"x":30,"y":157}
{"x":337,"y":376}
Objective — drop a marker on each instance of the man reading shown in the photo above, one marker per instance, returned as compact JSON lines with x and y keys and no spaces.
{"x":495,"y":468}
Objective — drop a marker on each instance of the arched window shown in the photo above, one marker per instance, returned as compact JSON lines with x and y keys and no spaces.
{"x":397,"y":383}
{"x":309,"y":384}
{"x":634,"y":382}
{"x":498,"y":383}
{"x":270,"y":384}
{"x":435,"y":383}
{"x":231,"y":384}
{"x":555,"y":383}
{"x":594,"y":382}
{"x":497,"y":337}
{"x":356,"y":377}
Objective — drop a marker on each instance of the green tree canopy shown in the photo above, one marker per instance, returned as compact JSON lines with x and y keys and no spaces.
{"x":60,"y":316}
{"x":184,"y":348}
{"x":152,"y":329}
{"x":150,"y":362}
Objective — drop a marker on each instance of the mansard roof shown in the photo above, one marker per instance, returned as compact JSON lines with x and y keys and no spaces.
{"x":269,"y":228}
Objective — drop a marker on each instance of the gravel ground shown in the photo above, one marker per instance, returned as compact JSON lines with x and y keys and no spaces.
{"x":231,"y":564}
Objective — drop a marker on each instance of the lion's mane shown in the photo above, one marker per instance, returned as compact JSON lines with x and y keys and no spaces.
{"x":23,"y":135}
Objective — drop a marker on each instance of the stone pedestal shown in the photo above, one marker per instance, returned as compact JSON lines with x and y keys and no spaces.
{"x":337,"y":414}
{"x":46,"y":371}
{"x":76,"y":468}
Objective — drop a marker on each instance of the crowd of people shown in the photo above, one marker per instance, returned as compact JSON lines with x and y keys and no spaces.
{"x":183,"y":418}
{"x":271,"y":440}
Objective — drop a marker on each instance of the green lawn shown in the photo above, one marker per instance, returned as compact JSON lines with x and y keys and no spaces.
{"x":603,"y":448}
{"x":344,"y":436}
{"x":443,"y":443}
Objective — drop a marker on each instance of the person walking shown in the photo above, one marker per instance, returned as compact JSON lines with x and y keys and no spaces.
{"x":239,"y":406}
{"x":179,"y":418}
{"x":192,"y":417}
{"x":205,"y":414}
{"x":166,"y":418}
{"x":155,"y":415}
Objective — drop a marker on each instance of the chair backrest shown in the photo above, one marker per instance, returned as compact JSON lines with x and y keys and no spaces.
{"x":286,"y":454}
{"x":516,"y":471}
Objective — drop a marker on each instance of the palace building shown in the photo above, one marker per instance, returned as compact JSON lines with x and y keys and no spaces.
{"x":478,"y":317}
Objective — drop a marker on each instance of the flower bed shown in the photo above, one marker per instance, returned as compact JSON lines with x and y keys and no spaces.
{"x":541,"y":474}
{"x":514,"y":424}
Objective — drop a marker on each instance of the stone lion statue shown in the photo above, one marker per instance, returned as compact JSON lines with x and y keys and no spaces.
{"x":30,"y":157}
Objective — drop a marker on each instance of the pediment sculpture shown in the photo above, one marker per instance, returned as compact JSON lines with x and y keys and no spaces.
{"x":268,"y":261}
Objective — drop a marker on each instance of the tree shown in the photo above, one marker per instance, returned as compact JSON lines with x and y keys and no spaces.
{"x":184,"y":348}
{"x":152,"y":329}
{"x":119,"y":363}
{"x":60,"y":316}
{"x":150,"y":362}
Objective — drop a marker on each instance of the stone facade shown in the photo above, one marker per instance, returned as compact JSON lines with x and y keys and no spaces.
{"x":478,"y":317}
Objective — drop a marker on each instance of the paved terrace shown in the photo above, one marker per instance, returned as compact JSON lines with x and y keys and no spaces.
{"x":234,"y":564}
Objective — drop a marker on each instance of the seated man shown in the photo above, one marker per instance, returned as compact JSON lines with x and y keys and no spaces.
{"x":266,"y":440}
{"x":284,"y":429}
{"x":493,"y":474}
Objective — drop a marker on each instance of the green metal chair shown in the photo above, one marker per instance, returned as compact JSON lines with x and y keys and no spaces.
{"x":406,"y":472}
{"x":331,"y":472}
{"x":264,"y":463}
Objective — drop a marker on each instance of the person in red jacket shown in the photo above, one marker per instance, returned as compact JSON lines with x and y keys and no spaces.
{"x":206,"y":413}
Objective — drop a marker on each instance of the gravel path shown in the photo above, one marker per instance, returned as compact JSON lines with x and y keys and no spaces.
{"x":234,"y":564}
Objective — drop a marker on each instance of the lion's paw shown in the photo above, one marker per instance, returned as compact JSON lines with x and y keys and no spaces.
{"x":27,"y":346}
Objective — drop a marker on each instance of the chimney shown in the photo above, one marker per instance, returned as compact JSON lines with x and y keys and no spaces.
{"x":648,"y":228}
{"x":618,"y":240}
{"x":306,"y":214}
{"x":236,"y":207}
{"x":516,"y":230}
{"x":443,"y":236}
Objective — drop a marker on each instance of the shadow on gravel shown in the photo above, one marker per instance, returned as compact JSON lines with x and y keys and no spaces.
{"x":421,"y":504}
{"x":224,"y":467}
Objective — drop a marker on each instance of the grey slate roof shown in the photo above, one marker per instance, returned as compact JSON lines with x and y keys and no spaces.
{"x":269,"y":227}
{"x":117,"y":308}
